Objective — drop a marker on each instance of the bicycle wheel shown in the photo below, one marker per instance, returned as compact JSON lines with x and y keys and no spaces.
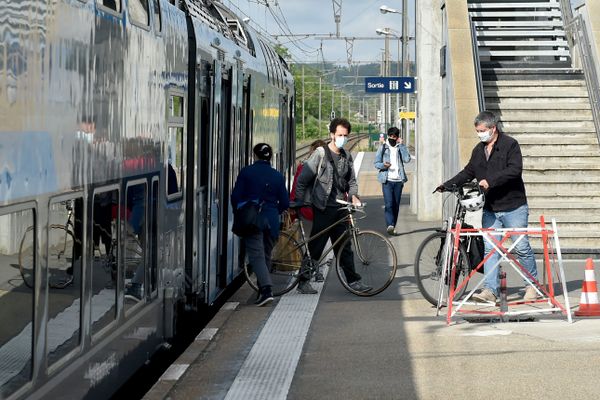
{"x":60,"y":256}
{"x":286,"y":260}
{"x":27,"y":257}
{"x":374,"y":260}
{"x":429,"y":261}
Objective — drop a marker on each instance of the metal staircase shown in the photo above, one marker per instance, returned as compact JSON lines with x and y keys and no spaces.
{"x":544,"y":104}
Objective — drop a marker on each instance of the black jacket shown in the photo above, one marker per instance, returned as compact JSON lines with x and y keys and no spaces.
{"x":502,"y":172}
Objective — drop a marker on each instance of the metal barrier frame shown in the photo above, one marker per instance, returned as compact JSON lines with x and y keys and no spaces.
{"x":498,"y":246}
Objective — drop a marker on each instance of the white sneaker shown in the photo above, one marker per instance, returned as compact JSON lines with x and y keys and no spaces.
{"x":530,"y":294}
{"x":485,"y":296}
{"x":390,"y":230}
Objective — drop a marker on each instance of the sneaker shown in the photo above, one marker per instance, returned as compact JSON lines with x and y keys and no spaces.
{"x":358,"y":286}
{"x":390,"y":230}
{"x":485,"y":296}
{"x":530,"y":294}
{"x":264,"y":299}
{"x":304,"y":287}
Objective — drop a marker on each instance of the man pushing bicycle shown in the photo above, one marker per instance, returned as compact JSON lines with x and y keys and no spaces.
{"x":497,"y":165}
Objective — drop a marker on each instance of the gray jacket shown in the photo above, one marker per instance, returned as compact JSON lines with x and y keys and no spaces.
{"x":317,"y":177}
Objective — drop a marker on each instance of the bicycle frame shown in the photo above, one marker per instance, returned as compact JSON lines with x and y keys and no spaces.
{"x":352,"y":229}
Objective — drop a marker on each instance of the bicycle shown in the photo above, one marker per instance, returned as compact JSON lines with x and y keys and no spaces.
{"x":62,"y":240}
{"x":374,"y":256}
{"x":437,"y":248}
{"x":60,"y":252}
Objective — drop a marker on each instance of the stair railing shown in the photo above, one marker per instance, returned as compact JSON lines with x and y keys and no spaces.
{"x":577,"y":35}
{"x":477,"y":64}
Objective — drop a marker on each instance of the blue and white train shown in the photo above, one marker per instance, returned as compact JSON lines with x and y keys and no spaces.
{"x":123,"y":126}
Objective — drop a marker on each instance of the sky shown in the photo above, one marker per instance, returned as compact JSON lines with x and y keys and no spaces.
{"x":359,"y":18}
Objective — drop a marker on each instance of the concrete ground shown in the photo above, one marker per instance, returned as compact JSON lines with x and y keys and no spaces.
{"x":393,"y":346}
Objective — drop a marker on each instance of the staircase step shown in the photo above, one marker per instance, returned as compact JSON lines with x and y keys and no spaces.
{"x":577,"y":103}
{"x":529,"y":92}
{"x":515,"y":70}
{"x":511,"y":5}
{"x":560,"y":174}
{"x":536,"y":83}
{"x":572,"y":150}
{"x":564,"y":214}
{"x":562,"y":161}
{"x":581,"y":138}
{"x":572,"y":229}
{"x":540,"y":115}
{"x":579,"y":204}
{"x":521,"y":24}
{"x":554,"y":127}
{"x":525,"y":42}
{"x":561,"y":217}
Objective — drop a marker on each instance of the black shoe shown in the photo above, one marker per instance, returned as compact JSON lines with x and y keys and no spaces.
{"x":319,"y":276}
{"x":304,"y":287}
{"x":265,"y":297}
{"x":263,"y":300}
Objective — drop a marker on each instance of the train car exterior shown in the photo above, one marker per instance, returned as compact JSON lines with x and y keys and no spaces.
{"x":123,"y":126}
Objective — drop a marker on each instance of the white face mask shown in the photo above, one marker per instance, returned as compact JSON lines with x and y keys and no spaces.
{"x":485,"y":136}
{"x":340,"y":141}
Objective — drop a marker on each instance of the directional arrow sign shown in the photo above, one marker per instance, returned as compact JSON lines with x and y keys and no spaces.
{"x":390,"y":84}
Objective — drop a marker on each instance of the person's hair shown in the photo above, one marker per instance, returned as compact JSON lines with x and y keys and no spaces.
{"x":337,"y":122}
{"x":488,"y":118}
{"x":394,"y":131}
{"x":316,"y":144}
{"x":263,"y":151}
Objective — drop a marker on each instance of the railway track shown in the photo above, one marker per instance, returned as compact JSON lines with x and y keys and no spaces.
{"x":302,"y":152}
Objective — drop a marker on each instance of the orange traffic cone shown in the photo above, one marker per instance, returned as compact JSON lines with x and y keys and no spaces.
{"x":588,"y":303}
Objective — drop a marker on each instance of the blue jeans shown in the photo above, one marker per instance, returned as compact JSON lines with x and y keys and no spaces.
{"x":392,"y":192}
{"x":516,"y":218}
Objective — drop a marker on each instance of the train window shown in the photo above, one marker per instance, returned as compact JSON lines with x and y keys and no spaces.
{"x":157,"y":21}
{"x":174,"y":161}
{"x":176,"y":106}
{"x":154,"y":210}
{"x":135,"y":244}
{"x":104,"y":261}
{"x":17,"y":260}
{"x":65,"y":250}
{"x":175,"y":147}
{"x":138,"y":11}
{"x":112,"y":4}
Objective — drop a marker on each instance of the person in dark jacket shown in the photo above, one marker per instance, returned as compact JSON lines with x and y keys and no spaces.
{"x":261,"y":183}
{"x":328,"y":185}
{"x":497,"y":165}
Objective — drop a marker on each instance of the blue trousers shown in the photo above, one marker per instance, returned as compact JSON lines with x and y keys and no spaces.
{"x":516,"y":218}
{"x":392,"y":192}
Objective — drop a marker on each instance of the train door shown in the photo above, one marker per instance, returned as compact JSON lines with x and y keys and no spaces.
{"x":214,"y":200}
{"x":224,"y":166}
{"x":282,"y":160}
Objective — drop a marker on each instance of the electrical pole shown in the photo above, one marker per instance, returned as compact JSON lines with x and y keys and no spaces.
{"x":337,"y":15}
{"x":303,"y":127}
{"x":405,"y":39}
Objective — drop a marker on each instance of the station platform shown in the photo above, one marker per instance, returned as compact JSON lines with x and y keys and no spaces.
{"x":334,"y":345}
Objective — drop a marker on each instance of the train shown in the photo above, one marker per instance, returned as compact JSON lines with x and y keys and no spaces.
{"x":123,"y":127}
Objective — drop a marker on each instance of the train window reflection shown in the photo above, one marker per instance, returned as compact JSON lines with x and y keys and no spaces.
{"x":112,"y":4}
{"x":176,"y":106}
{"x":17,"y":247}
{"x":64,"y":282}
{"x":174,"y":160}
{"x":104,"y":260}
{"x":157,"y":23}
{"x":135,"y":244}
{"x":138,"y":11}
{"x":154,"y":209}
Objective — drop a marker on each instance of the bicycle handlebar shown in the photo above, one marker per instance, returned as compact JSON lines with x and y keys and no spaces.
{"x":351,"y":205}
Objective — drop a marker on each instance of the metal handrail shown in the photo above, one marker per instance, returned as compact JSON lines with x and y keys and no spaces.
{"x":577,"y":31}
{"x":477,"y":63}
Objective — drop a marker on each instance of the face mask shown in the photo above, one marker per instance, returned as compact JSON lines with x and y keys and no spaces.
{"x":392,"y":142}
{"x":340,"y":141}
{"x":485,"y":136}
